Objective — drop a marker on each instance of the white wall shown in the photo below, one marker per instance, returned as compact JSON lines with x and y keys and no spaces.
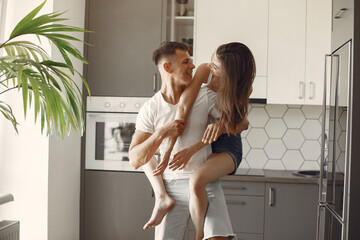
{"x":24,"y":157}
{"x":43,"y":173}
{"x":64,"y":164}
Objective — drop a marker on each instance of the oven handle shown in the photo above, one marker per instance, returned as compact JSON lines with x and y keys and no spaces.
{"x":104,"y":115}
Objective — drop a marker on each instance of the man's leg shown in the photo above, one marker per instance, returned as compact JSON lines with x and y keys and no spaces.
{"x":217,"y":165}
{"x":174,"y":224}
{"x":217,"y":221}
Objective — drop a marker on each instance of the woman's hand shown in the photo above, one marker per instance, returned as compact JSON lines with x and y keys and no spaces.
{"x":212,"y":133}
{"x":181,"y":159}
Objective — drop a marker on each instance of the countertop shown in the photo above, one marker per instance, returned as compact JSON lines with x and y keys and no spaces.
{"x":255,"y":175}
{"x":274,"y":176}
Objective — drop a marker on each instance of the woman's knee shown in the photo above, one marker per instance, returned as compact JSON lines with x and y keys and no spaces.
{"x":196,"y":183}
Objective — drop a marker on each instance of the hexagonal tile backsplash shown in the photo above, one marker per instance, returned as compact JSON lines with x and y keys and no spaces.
{"x":282,"y":137}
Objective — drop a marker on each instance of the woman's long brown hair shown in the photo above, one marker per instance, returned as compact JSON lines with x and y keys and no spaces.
{"x":238,"y":71}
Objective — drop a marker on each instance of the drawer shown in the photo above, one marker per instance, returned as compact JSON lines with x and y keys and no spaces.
{"x":244,"y":236}
{"x":240,"y":236}
{"x":246,"y":213}
{"x":243,"y":188}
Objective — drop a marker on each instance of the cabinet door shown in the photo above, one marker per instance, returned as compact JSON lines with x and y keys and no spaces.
{"x":218,"y":22}
{"x":246,"y":213}
{"x":125,"y":35}
{"x":116,"y":205}
{"x":290,"y":211}
{"x":342,"y":22}
{"x":318,"y":41}
{"x":286,"y":68}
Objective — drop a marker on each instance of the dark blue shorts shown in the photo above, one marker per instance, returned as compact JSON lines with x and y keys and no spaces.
{"x":231,"y":145}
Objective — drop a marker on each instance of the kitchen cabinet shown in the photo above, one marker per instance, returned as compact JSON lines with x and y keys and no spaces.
{"x":117,"y":205}
{"x":245,"y":203}
{"x":299,"y":38}
{"x":342,"y":22}
{"x":218,"y":22}
{"x":290,"y":211}
{"x":120,"y":53}
{"x":180,"y":21}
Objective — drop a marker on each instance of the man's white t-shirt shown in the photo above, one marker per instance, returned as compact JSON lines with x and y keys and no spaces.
{"x":156,"y":112}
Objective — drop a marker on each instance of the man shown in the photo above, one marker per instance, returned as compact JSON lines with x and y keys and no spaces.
{"x":155,"y":125}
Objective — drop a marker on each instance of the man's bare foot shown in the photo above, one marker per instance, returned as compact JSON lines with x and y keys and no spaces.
{"x":161,"y":208}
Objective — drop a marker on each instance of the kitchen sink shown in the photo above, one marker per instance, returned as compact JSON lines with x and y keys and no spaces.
{"x":307,"y":173}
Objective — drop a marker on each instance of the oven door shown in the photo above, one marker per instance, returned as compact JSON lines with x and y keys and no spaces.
{"x":108,"y":137}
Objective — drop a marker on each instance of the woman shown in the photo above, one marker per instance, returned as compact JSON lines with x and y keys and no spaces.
{"x":231,"y":73}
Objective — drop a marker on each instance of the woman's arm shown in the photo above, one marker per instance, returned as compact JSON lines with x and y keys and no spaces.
{"x":190,"y":93}
{"x":244,"y":125}
{"x":211,"y":134}
{"x":213,"y":131}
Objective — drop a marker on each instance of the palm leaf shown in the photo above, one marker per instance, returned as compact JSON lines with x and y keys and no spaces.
{"x":46,"y":83}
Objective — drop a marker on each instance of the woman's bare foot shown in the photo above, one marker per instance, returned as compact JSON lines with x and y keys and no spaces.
{"x":161,"y":208}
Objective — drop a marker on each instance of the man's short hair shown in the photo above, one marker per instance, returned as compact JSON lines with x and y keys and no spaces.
{"x":167,"y":49}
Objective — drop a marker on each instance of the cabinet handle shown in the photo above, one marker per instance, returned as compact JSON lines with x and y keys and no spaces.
{"x":154,"y":82}
{"x":312,"y":90}
{"x":235,"y":202}
{"x":271,"y":197}
{"x":339,"y":14}
{"x":235,"y":188}
{"x":301,"y":90}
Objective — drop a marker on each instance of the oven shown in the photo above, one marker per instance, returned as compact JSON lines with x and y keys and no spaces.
{"x":110,"y":125}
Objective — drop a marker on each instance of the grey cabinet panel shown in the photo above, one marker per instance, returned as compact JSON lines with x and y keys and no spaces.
{"x":117,"y":205}
{"x":126,"y":34}
{"x":243,"y":188}
{"x":246,"y":213}
{"x":292,"y":212}
{"x":242,"y":236}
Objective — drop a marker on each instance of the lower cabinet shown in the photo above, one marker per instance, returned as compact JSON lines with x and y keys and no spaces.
{"x":290,"y":211}
{"x":116,"y":206}
{"x":245,"y":203}
{"x":270,"y":211}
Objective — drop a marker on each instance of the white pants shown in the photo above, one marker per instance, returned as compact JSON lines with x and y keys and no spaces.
{"x":217,"y":221}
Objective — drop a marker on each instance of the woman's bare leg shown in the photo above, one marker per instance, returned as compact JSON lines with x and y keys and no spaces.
{"x":217,"y":165}
{"x":163,"y":202}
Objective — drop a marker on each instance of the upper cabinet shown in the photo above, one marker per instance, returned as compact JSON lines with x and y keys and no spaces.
{"x":299,"y":39}
{"x":289,"y":40}
{"x":342,"y":22}
{"x":180,"y":22}
{"x":120,"y":56}
{"x":246,"y":21}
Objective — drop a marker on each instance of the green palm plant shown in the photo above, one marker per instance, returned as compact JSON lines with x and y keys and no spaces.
{"x":45,"y":83}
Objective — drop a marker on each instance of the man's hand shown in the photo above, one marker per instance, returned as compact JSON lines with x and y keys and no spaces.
{"x":181,"y":159}
{"x":162,"y":165}
{"x":212,"y":132}
{"x":173,"y":129}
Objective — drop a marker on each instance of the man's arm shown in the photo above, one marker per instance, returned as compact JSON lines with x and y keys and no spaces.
{"x":187,"y":99}
{"x":144,"y":145}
